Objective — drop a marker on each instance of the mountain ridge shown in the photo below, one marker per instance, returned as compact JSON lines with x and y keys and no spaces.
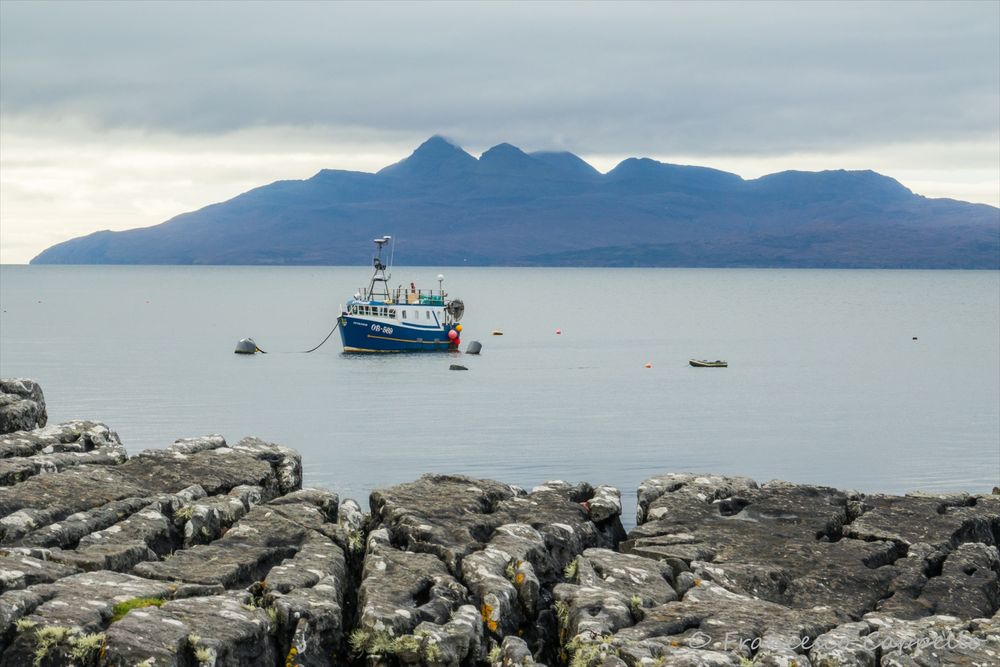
{"x":509,"y":207}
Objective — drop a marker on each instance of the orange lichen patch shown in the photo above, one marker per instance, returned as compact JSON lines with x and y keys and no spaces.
{"x":697,"y":582}
{"x":487,"y":613}
{"x":290,"y":658}
{"x":519,"y":578}
{"x":675,"y":644}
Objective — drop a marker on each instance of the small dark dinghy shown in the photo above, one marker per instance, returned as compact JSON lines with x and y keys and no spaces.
{"x":700,"y":363}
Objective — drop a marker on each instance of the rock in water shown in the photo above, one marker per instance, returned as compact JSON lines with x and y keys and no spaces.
{"x":246,"y":346}
{"x":474,"y":347}
{"x":22,"y":405}
{"x":456,"y":367}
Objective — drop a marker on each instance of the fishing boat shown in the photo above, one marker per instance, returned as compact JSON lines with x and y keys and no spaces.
{"x":381,"y":318}
{"x":701,"y":363}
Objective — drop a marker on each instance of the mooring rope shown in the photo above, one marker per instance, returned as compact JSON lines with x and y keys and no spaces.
{"x":324,"y":340}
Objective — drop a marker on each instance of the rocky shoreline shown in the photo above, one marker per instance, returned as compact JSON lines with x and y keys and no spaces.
{"x":211,"y":553}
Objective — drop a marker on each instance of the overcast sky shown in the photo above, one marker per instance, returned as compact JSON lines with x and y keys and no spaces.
{"x":116,"y":115}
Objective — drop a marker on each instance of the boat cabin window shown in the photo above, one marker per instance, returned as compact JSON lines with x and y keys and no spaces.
{"x":404,"y":314}
{"x":392,"y":313}
{"x":428,"y":314}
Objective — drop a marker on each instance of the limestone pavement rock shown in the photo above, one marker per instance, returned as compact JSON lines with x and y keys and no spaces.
{"x":19,"y":569}
{"x":791,"y":544}
{"x":609,"y":591}
{"x":206,"y":553}
{"x":445,"y":545}
{"x":785,"y":574}
{"x":221,"y":629}
{"x":198,"y":553}
{"x":513,"y":652}
{"x":24,"y":454}
{"x":22,"y":405}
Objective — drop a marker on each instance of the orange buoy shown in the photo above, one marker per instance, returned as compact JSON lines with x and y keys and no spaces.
{"x":558,"y":331}
{"x":649,"y":365}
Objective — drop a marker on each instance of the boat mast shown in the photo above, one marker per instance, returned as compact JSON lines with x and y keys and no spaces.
{"x":379,"y":276}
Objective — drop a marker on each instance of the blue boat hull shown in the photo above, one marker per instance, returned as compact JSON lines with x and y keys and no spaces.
{"x":362,"y":335}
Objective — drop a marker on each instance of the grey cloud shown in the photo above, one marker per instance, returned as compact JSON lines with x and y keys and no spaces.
{"x":624,"y":78}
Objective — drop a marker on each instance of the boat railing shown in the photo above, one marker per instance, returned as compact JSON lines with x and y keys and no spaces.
{"x":401,"y":295}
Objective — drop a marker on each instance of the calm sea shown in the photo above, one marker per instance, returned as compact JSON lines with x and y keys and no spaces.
{"x":826,"y":382}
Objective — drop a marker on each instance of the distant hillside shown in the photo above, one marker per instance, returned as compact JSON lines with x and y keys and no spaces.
{"x":509,"y":207}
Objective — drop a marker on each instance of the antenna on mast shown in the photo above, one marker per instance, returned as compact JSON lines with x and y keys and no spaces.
{"x":379,"y":275}
{"x":392,"y":253}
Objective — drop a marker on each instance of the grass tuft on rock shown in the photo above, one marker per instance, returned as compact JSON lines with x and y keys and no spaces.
{"x":204,"y":655}
{"x":359,"y":641}
{"x":407,"y":644}
{"x":570,"y":571}
{"x":24,"y":624}
{"x":122,"y":608}
{"x":47,"y":639}
{"x":432,"y":652}
{"x":635,"y":606}
{"x":86,"y":647}
{"x":355,"y":541}
{"x":562,"y":614}
{"x":589,"y":654}
{"x":382,"y":644}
